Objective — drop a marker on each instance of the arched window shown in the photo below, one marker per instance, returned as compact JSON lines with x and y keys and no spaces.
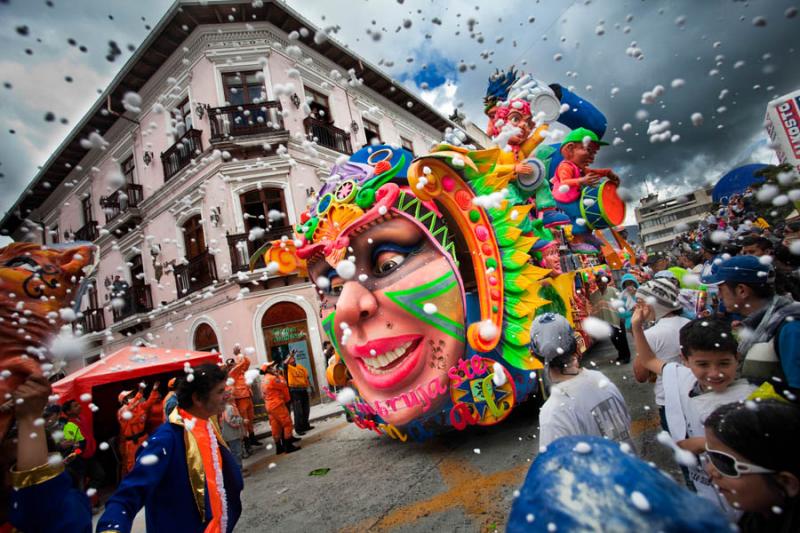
{"x":205,"y":340}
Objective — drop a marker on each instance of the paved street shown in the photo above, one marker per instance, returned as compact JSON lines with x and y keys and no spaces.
{"x":377,"y":484}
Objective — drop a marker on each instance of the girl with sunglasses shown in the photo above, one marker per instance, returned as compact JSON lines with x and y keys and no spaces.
{"x":755,"y":464}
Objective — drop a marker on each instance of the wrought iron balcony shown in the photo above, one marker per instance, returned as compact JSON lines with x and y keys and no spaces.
{"x":199,"y":272}
{"x":87,"y":232}
{"x":181,"y":153}
{"x":241,"y":247}
{"x":328,"y":135}
{"x":129,"y":196}
{"x":91,"y":320}
{"x":137,"y":299}
{"x":247,"y":119}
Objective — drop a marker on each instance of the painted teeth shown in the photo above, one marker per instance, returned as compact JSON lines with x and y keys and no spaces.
{"x":377,"y":364}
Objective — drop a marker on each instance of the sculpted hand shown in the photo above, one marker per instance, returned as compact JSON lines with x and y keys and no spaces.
{"x":591,"y":178}
{"x":523,"y":168}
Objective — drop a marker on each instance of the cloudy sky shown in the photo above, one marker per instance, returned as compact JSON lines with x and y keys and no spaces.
{"x":723,"y":59}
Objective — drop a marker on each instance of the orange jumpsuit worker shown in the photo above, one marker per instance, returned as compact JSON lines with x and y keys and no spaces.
{"x":297,"y":376}
{"x":276,"y":396}
{"x":132,"y":417}
{"x":242,"y":394}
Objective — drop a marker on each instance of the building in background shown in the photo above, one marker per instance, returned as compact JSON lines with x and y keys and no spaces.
{"x":658,"y":219}
{"x":237,"y":113}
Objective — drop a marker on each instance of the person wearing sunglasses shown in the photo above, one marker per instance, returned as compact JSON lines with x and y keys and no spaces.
{"x":754,"y":462}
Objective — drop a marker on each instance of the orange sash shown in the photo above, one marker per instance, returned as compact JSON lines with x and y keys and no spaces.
{"x":200,"y":430}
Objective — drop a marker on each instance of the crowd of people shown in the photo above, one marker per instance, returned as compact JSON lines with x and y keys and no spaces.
{"x":715,"y":332}
{"x":715,"y":326}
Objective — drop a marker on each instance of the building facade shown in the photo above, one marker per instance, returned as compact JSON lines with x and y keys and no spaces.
{"x":240,"y":113}
{"x":658,"y":220}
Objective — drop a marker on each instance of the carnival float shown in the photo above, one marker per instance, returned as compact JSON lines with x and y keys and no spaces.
{"x":430,"y":270}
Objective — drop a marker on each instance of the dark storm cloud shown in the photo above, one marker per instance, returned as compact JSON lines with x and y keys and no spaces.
{"x":677,"y":40}
{"x":48,"y":74}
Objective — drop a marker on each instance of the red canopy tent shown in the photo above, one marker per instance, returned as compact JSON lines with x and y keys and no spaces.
{"x":127,"y":364}
{"x":124,"y":370}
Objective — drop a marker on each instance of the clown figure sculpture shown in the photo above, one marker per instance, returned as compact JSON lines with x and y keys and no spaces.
{"x":518,"y":126}
{"x":587,"y":195}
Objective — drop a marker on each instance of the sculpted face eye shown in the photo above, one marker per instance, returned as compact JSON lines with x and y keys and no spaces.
{"x":387,"y":262}
{"x":23,"y":262}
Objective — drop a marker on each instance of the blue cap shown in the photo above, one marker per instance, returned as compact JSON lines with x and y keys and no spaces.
{"x":740,"y":269}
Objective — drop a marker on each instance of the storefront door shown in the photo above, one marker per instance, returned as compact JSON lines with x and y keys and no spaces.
{"x":285,"y":330}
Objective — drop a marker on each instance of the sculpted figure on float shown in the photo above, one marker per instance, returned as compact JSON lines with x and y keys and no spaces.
{"x":424,"y":276}
{"x":36,"y":283}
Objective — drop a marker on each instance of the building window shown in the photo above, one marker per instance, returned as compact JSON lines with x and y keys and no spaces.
{"x":205,"y":340}
{"x":54,"y":234}
{"x":372,"y":131}
{"x":407,"y":144}
{"x":193,"y":237}
{"x":320,"y":107}
{"x":183,"y":116}
{"x":86,"y":209}
{"x":243,"y":87}
{"x":127,"y":167}
{"x":257,"y":204}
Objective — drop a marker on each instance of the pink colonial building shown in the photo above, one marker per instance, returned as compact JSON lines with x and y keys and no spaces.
{"x":238,"y":112}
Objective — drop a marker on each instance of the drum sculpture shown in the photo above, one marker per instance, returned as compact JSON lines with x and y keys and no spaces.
{"x":601,"y":207}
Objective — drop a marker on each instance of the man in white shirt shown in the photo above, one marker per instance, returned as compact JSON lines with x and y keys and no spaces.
{"x":581,"y":402}
{"x":661,"y":296}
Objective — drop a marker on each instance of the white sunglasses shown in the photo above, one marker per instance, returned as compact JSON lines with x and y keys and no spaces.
{"x":727,"y":465}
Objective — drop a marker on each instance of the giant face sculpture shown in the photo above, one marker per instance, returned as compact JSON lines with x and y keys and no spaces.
{"x":399,"y":322}
{"x":429,"y":343}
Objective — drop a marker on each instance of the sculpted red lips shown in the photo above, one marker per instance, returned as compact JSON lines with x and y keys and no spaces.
{"x":387,"y":362}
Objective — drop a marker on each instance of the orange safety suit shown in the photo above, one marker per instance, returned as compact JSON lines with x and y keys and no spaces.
{"x":132,"y":430}
{"x":276,"y":396}
{"x":242,"y":394}
{"x":298,"y":376}
{"x":155,"y":417}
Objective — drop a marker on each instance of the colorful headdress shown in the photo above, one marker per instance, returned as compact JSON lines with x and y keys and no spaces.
{"x":498,"y":233}
{"x":499,"y":84}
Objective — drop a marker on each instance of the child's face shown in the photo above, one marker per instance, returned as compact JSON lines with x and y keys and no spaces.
{"x":630,"y":287}
{"x":714,"y":371}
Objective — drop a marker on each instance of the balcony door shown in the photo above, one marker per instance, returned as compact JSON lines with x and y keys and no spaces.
{"x":256,"y":206}
{"x":183,"y":117}
{"x":319,"y":104}
{"x":194,"y":240}
{"x":86,"y":209}
{"x":372,"y":131}
{"x":243,"y":88}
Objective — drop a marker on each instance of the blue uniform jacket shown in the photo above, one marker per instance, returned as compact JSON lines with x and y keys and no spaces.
{"x":45,"y":501}
{"x":172,"y":488}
